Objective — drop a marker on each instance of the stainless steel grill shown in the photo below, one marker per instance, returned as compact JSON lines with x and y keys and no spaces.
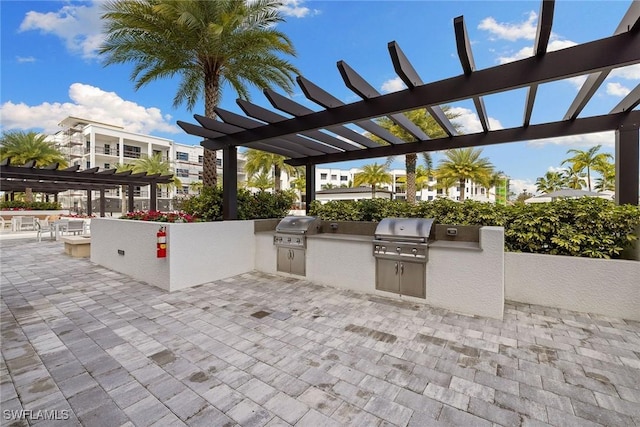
{"x":291,"y":241}
{"x":291,"y":231}
{"x":400,"y":247}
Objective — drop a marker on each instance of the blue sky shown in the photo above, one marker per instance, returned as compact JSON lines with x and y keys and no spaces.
{"x":50,"y":68}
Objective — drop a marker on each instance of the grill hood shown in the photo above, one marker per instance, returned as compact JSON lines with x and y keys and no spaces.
{"x":410,"y":229}
{"x":298,"y":225}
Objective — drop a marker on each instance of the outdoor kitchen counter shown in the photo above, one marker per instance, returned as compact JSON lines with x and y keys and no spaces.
{"x":465,"y":277}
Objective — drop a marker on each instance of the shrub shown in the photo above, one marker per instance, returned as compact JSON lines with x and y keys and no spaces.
{"x":159,"y":216}
{"x":208,"y":204}
{"x":34,"y":206}
{"x":589,"y":227}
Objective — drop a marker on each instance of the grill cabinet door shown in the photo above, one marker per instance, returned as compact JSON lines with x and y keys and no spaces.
{"x":298,"y":262}
{"x":413,"y":279}
{"x":284,"y":260}
{"x":387,"y":275}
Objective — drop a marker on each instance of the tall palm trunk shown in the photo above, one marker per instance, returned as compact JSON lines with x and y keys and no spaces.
{"x":277,"y":172}
{"x":373,"y":191}
{"x":209,"y":162}
{"x":462,"y":188}
{"x":410,"y":162}
{"x":589,"y":177}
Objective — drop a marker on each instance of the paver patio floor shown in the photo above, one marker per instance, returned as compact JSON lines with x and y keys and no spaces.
{"x":257,"y":349}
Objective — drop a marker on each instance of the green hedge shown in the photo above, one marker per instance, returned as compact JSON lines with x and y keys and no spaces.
{"x":208,"y":205}
{"x":35,"y":206}
{"x":588,"y":227}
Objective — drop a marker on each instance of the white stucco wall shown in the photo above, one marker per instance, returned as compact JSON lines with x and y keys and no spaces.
{"x":608,"y":287}
{"x":346,"y":264}
{"x":196,"y":253}
{"x":466,"y":280}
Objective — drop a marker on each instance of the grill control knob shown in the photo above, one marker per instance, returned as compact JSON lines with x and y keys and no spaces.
{"x":384,"y":248}
{"x":297,"y":240}
{"x":414,"y":251}
{"x":289,"y":239}
{"x":398,"y":249}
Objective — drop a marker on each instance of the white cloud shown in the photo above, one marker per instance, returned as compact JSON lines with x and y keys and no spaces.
{"x":616,"y":89}
{"x":79,"y":26}
{"x":294,"y":8}
{"x":23,"y":59}
{"x":606,"y":139}
{"x":91,"y":103}
{"x":393,"y":85}
{"x":630,"y":72}
{"x":527,"y":52}
{"x":517,"y":186}
{"x":469,"y":122}
{"x":512,"y":32}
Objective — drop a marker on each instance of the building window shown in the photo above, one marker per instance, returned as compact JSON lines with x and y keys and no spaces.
{"x":200,"y":175}
{"x":334,"y":177}
{"x":185,"y":189}
{"x":323,"y":176}
{"x":201,"y":159}
{"x":107,"y":149}
{"x":429,"y":197}
{"x":440,"y":191}
{"x":182,"y":156}
{"x":88,"y":165}
{"x":218,"y":162}
{"x":182,"y":173}
{"x":344,"y":178}
{"x":107,"y":166}
{"x":131,"y":151}
{"x":482,"y":190}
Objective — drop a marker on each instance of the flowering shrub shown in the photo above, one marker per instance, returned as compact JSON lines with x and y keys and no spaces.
{"x":160,"y":216}
{"x":19,"y":205}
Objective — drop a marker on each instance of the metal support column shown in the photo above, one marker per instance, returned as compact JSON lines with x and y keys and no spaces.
{"x":230,"y":183}
{"x":627,"y":164}
{"x":310,"y":190}
{"x":153,"y":196}
{"x":103,"y":203}
{"x":89,"y":204}
{"x":130,"y":207}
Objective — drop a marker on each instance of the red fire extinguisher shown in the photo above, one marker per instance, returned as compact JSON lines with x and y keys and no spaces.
{"x":162,"y":242}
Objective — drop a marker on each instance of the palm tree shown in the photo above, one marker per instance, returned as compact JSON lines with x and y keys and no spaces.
{"x":23,"y":147}
{"x":607,"y":181}
{"x":445,"y":183}
{"x":429,"y":126}
{"x":463,"y":164}
{"x":328,"y":186}
{"x":582,"y":160}
{"x":206,"y":43}
{"x":493,"y":180}
{"x":156,"y":165}
{"x":299,"y":184}
{"x":574,"y":178}
{"x":262,"y":161}
{"x":261,"y":181}
{"x":373,"y":175}
{"x":551,"y":181}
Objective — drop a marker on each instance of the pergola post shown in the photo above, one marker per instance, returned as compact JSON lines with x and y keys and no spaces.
{"x":230,"y":183}
{"x":153,"y":196}
{"x":89,"y":204}
{"x":130,"y":207}
{"x":627,"y":164}
{"x":310,"y":184}
{"x":102,"y":203}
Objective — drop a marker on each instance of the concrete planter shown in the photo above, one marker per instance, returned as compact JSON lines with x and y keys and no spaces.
{"x":7,"y":214}
{"x":197,"y":253}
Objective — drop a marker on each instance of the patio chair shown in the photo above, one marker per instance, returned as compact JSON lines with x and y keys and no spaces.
{"x":28,"y":222}
{"x":43,"y":227}
{"x":75,"y":227}
{"x":4,"y":224}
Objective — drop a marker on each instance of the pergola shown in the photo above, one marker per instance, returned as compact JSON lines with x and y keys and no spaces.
{"x":312,"y":137}
{"x":51,"y":180}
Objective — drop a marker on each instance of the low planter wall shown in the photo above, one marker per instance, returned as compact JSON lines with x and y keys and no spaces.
{"x":607,"y":287}
{"x":196,"y":252}
{"x":8,"y":214}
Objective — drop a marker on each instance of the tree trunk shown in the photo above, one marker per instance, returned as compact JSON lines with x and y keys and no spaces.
{"x":373,"y":191}
{"x":28,"y":195}
{"x":211,"y":95}
{"x":276,"y":177}
{"x":589,"y":178}
{"x":123,"y":200}
{"x":462,"y":188}
{"x":410,"y":161}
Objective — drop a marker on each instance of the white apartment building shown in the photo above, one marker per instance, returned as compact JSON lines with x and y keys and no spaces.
{"x":327,"y":178}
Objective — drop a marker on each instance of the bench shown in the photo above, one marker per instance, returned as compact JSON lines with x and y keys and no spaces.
{"x":77,"y":246}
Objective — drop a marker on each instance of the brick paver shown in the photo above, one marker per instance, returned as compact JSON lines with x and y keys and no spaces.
{"x":260,"y":350}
